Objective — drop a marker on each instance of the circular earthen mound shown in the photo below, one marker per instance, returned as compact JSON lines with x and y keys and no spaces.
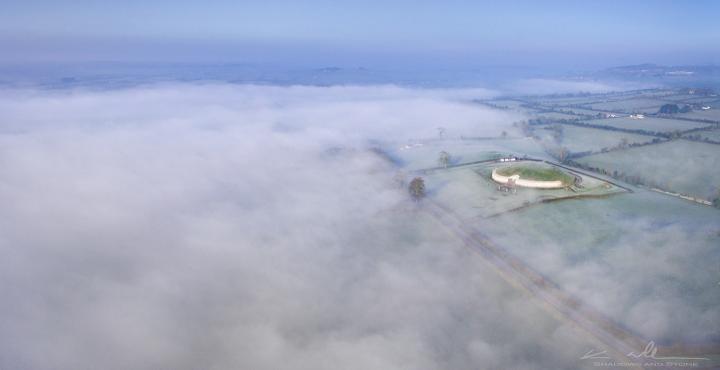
{"x":532,"y":176}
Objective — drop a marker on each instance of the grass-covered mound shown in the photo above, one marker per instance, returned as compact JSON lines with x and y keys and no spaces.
{"x":537,"y":172}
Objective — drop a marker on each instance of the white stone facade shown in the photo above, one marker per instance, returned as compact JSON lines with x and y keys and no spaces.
{"x":557,"y":184}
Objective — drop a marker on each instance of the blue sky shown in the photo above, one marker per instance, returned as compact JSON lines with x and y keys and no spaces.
{"x":450,"y":32}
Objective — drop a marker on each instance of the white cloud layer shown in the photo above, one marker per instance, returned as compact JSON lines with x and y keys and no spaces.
{"x":186,"y":227}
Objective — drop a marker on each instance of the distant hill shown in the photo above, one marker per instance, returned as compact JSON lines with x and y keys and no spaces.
{"x":674,"y":76}
{"x":649,"y":69}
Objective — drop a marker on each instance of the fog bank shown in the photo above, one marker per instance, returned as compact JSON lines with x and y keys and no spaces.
{"x":206,"y":226}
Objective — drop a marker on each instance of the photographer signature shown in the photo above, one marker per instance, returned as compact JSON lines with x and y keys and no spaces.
{"x":650,"y":352}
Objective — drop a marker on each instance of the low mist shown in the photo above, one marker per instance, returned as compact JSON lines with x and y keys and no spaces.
{"x":208,"y":226}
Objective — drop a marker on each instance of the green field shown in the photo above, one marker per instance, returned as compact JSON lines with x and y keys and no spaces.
{"x":580,"y":111}
{"x":713,"y":135}
{"x":554,"y":115}
{"x":630,"y":105}
{"x":648,"y":124}
{"x":696,"y":99}
{"x":581,"y":139}
{"x":645,"y":252}
{"x":462,"y":151}
{"x":472,"y":194}
{"x":679,"y":98}
{"x":660,"y":94}
{"x":705,"y":100}
{"x":567,"y":101}
{"x":627,"y":230}
{"x":642,"y":250}
{"x":712,"y":114}
{"x":536,"y":172}
{"x":653,"y":96}
{"x":682,"y":166}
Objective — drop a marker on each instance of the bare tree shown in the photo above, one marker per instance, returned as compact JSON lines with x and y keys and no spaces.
{"x":562,"y":154}
{"x":417,"y":188}
{"x":444,"y":158}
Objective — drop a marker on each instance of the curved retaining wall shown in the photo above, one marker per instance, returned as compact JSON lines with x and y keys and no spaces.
{"x":527,"y":183}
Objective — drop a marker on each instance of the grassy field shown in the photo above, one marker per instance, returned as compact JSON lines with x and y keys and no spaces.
{"x":472,"y":194}
{"x":630,"y":105}
{"x":567,"y":101}
{"x":654,"y":96}
{"x":649,"y":124}
{"x":624,"y":254}
{"x":693,"y":99}
{"x":580,"y":111}
{"x":554,"y":115}
{"x":679,"y":98}
{"x":463,"y":151}
{"x":680,"y":165}
{"x":640,"y":258}
{"x":581,"y":139}
{"x":713,"y":135}
{"x":661,"y":94}
{"x":712,"y":114}
{"x":705,"y":100}
{"x":536,"y":172}
{"x":601,"y":262}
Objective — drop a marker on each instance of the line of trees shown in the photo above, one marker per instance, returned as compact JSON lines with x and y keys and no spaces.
{"x":624,"y":144}
{"x":668,"y":135}
{"x":634,"y":179}
{"x":628,"y":178}
{"x":672,"y":109}
{"x":700,"y":138}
